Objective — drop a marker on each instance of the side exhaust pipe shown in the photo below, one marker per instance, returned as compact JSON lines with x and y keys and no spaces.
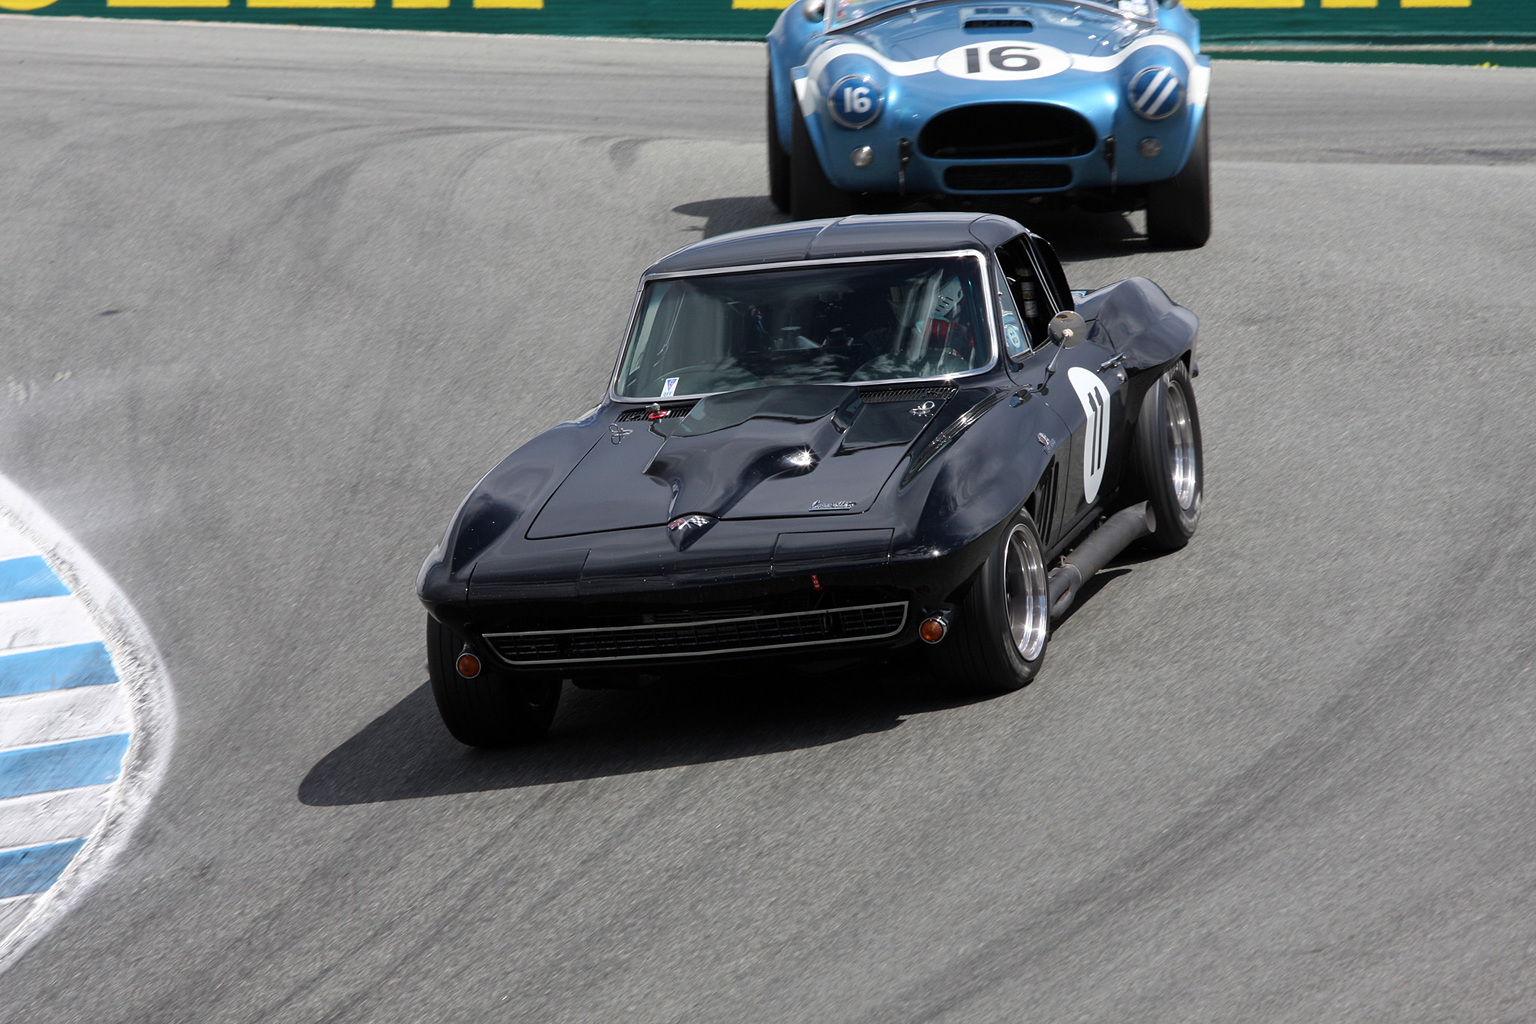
{"x":1117,"y":533}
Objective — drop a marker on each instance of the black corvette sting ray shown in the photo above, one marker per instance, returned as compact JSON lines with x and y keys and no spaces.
{"x":824,"y":440}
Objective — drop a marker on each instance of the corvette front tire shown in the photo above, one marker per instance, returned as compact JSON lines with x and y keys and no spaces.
{"x":1169,"y":458}
{"x":1003,"y":622}
{"x":494,"y":709}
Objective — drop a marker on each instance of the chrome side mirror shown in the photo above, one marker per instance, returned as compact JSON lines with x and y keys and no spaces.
{"x":1068,"y":329}
{"x":814,"y":10}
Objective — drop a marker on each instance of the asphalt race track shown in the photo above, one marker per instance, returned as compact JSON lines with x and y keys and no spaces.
{"x":272,"y":300}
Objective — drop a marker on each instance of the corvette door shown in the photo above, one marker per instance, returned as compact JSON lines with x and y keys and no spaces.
{"x":1084,"y":386}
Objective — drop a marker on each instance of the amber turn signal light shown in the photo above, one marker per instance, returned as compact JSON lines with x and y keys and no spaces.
{"x":933,"y":628}
{"x":468,"y":664}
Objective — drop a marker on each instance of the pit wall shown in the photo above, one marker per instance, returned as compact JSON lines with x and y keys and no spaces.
{"x":1460,"y":31}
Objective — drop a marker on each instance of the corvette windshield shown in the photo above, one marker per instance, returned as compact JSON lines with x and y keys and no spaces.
{"x":827,"y":324}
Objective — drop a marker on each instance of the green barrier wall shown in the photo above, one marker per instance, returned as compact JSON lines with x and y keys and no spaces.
{"x":1466,"y":31}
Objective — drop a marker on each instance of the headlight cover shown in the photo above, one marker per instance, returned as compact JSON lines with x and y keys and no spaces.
{"x":855,"y":101}
{"x":1156,"y":93}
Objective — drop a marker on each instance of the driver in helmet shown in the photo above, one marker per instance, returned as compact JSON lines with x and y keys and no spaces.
{"x":949,"y":325}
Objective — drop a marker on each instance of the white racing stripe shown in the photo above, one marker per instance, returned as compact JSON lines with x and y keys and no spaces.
{"x":86,"y":721}
{"x":45,"y":622}
{"x":42,"y":818}
{"x":13,"y":544}
{"x":57,"y":715}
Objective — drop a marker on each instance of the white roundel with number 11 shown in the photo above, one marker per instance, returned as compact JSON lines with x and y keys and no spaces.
{"x":1004,"y":60}
{"x":1095,"y":398}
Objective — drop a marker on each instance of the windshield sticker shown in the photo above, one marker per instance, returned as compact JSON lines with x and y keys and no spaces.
{"x":670,"y":387}
{"x":1015,"y":339}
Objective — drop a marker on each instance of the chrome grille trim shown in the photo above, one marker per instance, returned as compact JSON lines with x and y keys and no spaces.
{"x":701,"y":637}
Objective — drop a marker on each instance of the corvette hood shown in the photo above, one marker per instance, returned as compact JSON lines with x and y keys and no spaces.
{"x":931,"y":31}
{"x":764,"y":452}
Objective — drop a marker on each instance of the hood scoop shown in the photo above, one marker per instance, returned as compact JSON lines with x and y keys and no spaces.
{"x":795,"y":450}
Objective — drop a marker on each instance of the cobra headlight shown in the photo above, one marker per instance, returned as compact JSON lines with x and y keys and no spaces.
{"x":855,"y":101}
{"x":1156,"y":92}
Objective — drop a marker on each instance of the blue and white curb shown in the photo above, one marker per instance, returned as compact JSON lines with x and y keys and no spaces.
{"x":86,"y":721}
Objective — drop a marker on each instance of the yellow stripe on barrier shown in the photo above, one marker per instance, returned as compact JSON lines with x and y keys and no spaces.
{"x":168,"y":4}
{"x":307,"y":4}
{"x":1349,"y":3}
{"x":412,"y":5}
{"x":760,"y":5}
{"x":530,"y":5}
{"x":1212,"y":5}
{"x":1437,"y":3}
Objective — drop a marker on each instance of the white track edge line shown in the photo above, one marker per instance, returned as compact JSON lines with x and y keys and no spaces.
{"x":151,"y":706}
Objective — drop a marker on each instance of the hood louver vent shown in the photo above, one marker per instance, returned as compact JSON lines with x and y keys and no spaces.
{"x":667,"y":412}
{"x":938,"y":393}
{"x":1016,"y":24}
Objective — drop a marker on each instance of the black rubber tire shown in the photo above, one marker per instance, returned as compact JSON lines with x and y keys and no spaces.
{"x":778,"y":159}
{"x":981,"y":654}
{"x":1179,"y":209}
{"x":811,"y":194}
{"x":1169,"y":458}
{"x":494,"y":709}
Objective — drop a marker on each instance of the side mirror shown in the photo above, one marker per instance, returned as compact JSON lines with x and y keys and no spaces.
{"x":1068,"y":329}
{"x":814,"y":10}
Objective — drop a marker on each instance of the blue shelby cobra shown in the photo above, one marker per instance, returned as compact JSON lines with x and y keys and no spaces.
{"x":1080,"y":102}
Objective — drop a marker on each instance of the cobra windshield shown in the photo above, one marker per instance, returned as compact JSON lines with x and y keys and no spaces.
{"x":851,"y":12}
{"x":826,"y":324}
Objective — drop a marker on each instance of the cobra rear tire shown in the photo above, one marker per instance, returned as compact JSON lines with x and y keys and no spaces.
{"x":494,"y":709}
{"x":1169,"y":458}
{"x":811,"y":194}
{"x":1003,"y":623}
{"x":778,"y":159}
{"x":1179,"y":209}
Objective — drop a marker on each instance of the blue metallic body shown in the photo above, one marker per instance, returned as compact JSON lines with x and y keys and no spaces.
{"x":1088,"y":53}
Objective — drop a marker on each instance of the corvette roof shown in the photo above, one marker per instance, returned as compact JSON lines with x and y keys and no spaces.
{"x":848,"y":236}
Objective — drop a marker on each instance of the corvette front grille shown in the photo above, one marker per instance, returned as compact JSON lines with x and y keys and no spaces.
{"x":1007,"y":178}
{"x":702,"y":636}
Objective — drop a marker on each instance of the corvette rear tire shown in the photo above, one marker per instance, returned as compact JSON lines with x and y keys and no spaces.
{"x":1169,"y":458}
{"x":778,"y":159}
{"x":493,"y":709}
{"x":1179,"y":209}
{"x":811,"y":194}
{"x":1003,"y":623}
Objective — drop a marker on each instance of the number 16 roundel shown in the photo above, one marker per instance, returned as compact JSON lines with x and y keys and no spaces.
{"x":1003,"y":60}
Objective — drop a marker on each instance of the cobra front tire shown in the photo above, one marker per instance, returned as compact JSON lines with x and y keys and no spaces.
{"x":1179,"y":209}
{"x":778,"y":159}
{"x":1169,"y":458}
{"x":493,"y":709}
{"x":1003,"y":623}
{"x":811,"y":194}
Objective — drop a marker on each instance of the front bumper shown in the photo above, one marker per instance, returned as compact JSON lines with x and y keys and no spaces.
{"x":1119,"y":150}
{"x":598,"y":604}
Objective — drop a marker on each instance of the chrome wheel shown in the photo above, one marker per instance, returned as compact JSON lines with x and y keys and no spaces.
{"x":1026,"y":594}
{"x":1181,"y":433}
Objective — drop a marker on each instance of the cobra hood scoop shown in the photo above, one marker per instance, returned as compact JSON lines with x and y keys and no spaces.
{"x":792,"y":450}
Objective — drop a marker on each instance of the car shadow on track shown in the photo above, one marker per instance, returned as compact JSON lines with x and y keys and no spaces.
{"x":406,"y":753}
{"x":1075,"y":234}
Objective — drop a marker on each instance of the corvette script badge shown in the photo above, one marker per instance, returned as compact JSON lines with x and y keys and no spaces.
{"x":832,"y":506}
